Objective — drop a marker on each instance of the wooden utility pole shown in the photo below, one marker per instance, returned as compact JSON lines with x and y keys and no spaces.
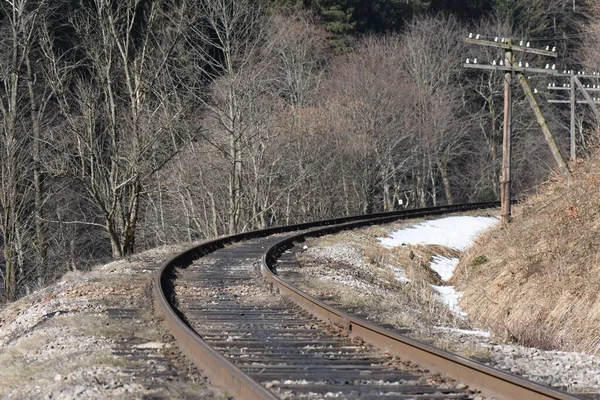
{"x":509,"y":68}
{"x":587,"y":96}
{"x":573,"y":102}
{"x":506,"y":139}
{"x":562,"y":165}
{"x":574,"y":84}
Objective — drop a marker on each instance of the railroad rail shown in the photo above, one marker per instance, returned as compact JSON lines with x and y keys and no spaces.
{"x":306,"y":349}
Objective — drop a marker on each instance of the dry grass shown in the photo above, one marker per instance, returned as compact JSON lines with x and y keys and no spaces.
{"x":536,"y":280}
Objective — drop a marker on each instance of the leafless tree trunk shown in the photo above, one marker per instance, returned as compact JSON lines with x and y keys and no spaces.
{"x":233,"y":32}
{"x":123,"y":109}
{"x":21,"y":106}
{"x":432,"y":53}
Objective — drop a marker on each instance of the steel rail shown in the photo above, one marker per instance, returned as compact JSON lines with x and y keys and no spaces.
{"x":223,"y":373}
{"x":217,"y":368}
{"x":490,"y":381}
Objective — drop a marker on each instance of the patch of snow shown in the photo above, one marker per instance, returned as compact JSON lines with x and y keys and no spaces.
{"x":454,"y":232}
{"x":464,"y":331}
{"x":350,"y":281}
{"x":399,"y":274}
{"x":444,"y":266}
{"x":151,"y":346}
{"x":112,"y":264}
{"x":451,"y":298}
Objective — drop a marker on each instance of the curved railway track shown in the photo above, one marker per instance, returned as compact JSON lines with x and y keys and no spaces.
{"x":269,"y":340}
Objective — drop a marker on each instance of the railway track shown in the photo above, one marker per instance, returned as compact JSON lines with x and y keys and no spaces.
{"x":269,"y":340}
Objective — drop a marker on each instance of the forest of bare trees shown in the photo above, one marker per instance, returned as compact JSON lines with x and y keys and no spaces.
{"x":135,"y":123}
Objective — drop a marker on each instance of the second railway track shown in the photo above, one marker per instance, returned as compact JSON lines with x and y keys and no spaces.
{"x":256,"y":344}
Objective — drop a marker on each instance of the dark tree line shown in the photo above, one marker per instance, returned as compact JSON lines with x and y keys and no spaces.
{"x":131,"y":124}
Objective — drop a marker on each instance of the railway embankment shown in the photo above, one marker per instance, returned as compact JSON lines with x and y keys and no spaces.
{"x":94,"y":335}
{"x":396,"y":287}
{"x":535,"y":281}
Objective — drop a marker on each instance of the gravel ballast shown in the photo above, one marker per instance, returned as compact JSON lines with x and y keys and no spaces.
{"x":94,"y":336}
{"x":340,"y":270}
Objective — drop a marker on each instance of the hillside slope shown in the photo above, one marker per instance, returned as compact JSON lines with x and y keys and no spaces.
{"x":536,"y":280}
{"x":94,"y":336}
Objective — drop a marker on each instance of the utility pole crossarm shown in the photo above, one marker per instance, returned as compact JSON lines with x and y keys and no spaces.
{"x":597,"y":89}
{"x":513,"y":69}
{"x":587,"y":76}
{"x":569,"y":101}
{"x":510,"y":47}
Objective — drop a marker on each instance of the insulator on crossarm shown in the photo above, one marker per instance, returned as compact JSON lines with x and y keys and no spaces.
{"x":554,"y":49}
{"x":501,"y":62}
{"x":554,"y":85}
{"x":549,"y":84}
{"x":547,"y":66}
{"x":521,"y":43}
{"x":470,"y":35}
{"x":535,"y":90}
{"x":547,"y":48}
{"x":553,"y":66}
{"x":520,"y":64}
{"x":468,"y":61}
{"x":474,"y":61}
{"x":494,"y":62}
{"x":496,"y":39}
{"x":527,"y":45}
{"x":526,"y":65}
{"x":478,"y":36}
{"x":564,"y":85}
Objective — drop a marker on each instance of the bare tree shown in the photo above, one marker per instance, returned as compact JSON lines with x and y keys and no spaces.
{"x":432,"y":55}
{"x":296,"y":50}
{"x":373,"y":96}
{"x":120,"y":103}
{"x":300,"y":47}
{"x":22,"y":106}
{"x":232,"y":34}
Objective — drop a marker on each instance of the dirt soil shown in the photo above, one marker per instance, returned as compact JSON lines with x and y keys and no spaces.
{"x":94,"y":335}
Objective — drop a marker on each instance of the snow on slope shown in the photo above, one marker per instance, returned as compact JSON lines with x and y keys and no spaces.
{"x":457,"y":233}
